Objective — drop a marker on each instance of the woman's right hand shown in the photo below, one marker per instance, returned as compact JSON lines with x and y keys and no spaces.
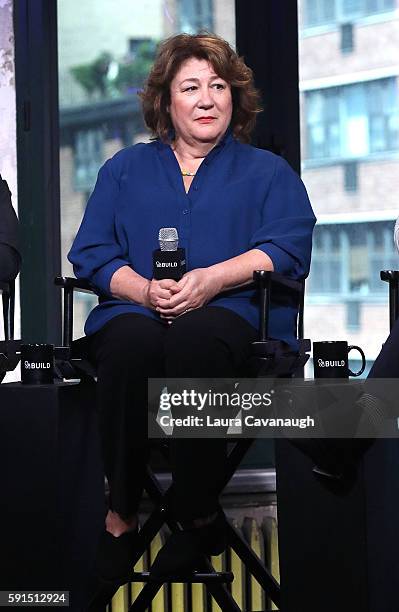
{"x":126,"y":284}
{"x":154,"y":290}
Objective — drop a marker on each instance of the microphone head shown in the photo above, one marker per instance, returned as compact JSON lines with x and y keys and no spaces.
{"x":168,"y":239}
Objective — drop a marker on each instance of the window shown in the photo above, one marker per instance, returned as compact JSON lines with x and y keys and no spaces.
{"x":347,"y":259}
{"x":319,"y":12}
{"x":327,"y":264}
{"x":379,"y":6}
{"x":351,"y":8}
{"x":350,"y":176}
{"x":88,"y":156}
{"x":353,"y":120}
{"x":383,"y":112}
{"x":347,"y":38}
{"x":323,"y":12}
{"x":195,"y":15}
{"x":323,"y":123}
{"x":383,"y":255}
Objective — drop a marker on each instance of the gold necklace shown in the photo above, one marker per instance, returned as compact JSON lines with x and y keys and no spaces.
{"x":187,"y":173}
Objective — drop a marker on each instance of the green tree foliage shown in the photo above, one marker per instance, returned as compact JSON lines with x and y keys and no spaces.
{"x":133,"y":73}
{"x":98,"y":79}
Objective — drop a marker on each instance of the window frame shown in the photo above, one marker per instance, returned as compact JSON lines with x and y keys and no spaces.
{"x":36,"y":71}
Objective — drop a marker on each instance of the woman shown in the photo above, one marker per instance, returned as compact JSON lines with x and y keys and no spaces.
{"x":237,"y":209}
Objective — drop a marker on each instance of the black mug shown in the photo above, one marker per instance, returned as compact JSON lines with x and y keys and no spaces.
{"x":37,"y":364}
{"x":330,"y":359}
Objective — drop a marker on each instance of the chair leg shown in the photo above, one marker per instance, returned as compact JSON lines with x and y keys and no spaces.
{"x":151,"y":527}
{"x":218,"y":591}
{"x":235,"y":457}
{"x":145,"y":597}
{"x":102,"y":597}
{"x":253,"y":564}
{"x":222,"y":597}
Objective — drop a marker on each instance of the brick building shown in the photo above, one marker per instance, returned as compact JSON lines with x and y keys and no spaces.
{"x":349,"y":70}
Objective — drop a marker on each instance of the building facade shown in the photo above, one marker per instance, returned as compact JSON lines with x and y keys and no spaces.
{"x":349,"y":71}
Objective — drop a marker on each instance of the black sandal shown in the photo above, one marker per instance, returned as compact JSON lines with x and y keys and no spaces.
{"x":114,"y":559}
{"x":182,"y":552}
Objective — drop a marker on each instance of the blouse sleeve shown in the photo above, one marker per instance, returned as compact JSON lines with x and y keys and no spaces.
{"x":96,"y":253}
{"x":288,"y":221}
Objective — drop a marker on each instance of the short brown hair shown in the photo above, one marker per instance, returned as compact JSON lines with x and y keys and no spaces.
{"x":227,"y":65}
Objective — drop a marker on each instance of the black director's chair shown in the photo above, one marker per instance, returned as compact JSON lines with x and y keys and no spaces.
{"x":270,"y":358}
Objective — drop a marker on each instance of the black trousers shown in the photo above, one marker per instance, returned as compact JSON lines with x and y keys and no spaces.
{"x":206,"y":342}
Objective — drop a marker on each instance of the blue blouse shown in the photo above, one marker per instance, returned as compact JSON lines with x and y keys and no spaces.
{"x":241,"y":198}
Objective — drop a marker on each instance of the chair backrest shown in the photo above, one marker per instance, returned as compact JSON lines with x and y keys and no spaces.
{"x":274,"y":357}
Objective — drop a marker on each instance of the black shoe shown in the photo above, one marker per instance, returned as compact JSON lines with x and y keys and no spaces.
{"x":184,"y":550}
{"x":114,"y":559}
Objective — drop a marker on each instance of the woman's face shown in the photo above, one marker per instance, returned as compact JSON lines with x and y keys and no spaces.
{"x":200,"y":103}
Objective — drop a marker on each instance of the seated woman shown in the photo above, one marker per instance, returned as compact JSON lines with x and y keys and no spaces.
{"x":236,"y":209}
{"x":10,"y":259}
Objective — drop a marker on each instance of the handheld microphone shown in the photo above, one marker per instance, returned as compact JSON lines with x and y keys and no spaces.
{"x":169,"y":261}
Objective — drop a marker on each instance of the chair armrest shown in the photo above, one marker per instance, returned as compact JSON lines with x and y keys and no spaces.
{"x":264,"y":277}
{"x":69,"y":285}
{"x":77,"y":284}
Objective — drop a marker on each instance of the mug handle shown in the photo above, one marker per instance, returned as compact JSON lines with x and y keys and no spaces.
{"x":357,"y":348}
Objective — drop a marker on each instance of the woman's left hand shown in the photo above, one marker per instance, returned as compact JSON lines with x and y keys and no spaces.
{"x":194,"y":290}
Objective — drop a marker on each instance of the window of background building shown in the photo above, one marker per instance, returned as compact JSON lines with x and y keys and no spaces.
{"x":323,"y":12}
{"x":350,"y":165}
{"x":352,"y":120}
{"x":347,"y":258}
{"x":195,"y":15}
{"x":104,"y":58}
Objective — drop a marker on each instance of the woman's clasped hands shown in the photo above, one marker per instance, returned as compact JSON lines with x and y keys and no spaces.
{"x":172,"y":298}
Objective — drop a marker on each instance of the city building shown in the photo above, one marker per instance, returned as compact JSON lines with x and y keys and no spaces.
{"x":349,"y":70}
